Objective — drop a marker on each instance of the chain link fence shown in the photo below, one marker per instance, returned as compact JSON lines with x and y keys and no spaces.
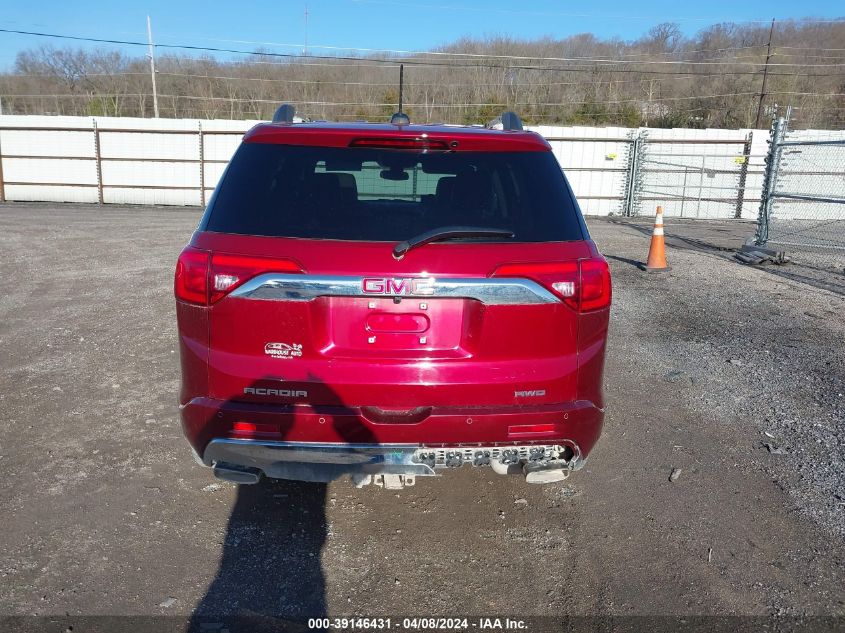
{"x":803,"y":206}
{"x":695,"y":178}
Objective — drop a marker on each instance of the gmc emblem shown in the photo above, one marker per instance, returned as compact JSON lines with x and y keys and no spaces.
{"x":401,"y":286}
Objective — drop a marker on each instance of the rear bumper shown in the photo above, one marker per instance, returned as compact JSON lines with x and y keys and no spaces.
{"x":246,"y":460}
{"x":205,"y":419}
{"x":297,"y":441}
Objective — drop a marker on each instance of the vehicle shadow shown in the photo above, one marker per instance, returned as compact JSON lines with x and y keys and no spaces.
{"x":270,"y":576}
{"x":270,"y":572}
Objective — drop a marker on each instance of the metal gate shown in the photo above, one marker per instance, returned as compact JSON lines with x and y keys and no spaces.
{"x":692,"y":178}
{"x":802,"y":209}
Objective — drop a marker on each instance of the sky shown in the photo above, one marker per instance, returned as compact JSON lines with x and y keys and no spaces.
{"x":378,"y":24}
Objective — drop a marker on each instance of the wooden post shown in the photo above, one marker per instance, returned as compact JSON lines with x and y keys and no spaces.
{"x":202,"y":165}
{"x":2,"y":186}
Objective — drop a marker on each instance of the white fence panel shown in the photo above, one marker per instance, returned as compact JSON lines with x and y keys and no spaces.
{"x":594,"y":160}
{"x":180,"y":161}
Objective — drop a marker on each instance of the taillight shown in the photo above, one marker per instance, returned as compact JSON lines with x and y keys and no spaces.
{"x":230,"y":271}
{"x":583,"y":285}
{"x":191,"y":281}
{"x":203,"y":278}
{"x":595,"y":284}
{"x":559,"y":277}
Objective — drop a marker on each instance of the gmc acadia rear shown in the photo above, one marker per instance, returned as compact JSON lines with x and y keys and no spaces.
{"x":387,"y":301}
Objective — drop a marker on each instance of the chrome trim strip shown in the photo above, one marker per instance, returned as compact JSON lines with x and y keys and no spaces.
{"x":495,"y":291}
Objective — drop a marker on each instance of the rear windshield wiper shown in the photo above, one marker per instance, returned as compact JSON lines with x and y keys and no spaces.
{"x":446,"y":233}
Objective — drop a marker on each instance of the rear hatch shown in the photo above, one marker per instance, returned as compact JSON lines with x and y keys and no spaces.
{"x":311,"y":303}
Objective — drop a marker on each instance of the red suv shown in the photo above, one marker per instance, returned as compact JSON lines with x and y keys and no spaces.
{"x":390,"y":300}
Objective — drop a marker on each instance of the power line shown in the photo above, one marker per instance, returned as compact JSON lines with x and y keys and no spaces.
{"x":488,"y":10}
{"x":443,"y":52}
{"x":673,"y":77}
{"x":393,"y":83}
{"x":332,"y":103}
{"x":810,"y":48}
{"x":419,"y":105}
{"x":541,"y":121}
{"x":406,"y":61}
{"x":804,"y":56}
{"x":447,"y":53}
{"x":557,"y":69}
{"x":680,"y":51}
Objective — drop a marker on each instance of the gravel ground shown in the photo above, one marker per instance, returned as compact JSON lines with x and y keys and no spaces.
{"x":727,"y":378}
{"x":763,"y":347}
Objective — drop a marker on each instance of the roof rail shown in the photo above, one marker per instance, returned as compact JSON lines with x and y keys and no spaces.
{"x":507,"y":121}
{"x":284,"y":114}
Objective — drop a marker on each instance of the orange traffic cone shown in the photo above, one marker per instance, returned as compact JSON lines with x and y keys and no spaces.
{"x":657,"y":251}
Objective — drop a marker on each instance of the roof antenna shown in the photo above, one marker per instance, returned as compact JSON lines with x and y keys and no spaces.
{"x":400,"y":118}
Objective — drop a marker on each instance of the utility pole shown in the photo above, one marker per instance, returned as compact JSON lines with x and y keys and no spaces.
{"x":152,"y":66}
{"x":306,"y":30}
{"x":765,"y":78}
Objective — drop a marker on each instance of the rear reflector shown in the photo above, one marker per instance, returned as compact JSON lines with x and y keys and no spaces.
{"x":583,"y":285}
{"x":203,"y":278}
{"x":420,"y":142}
{"x":531,"y":429}
{"x":250,"y":429}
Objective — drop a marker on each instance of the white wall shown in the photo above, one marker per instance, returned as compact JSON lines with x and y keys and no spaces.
{"x":596,"y":168}
{"x":131,"y":162}
{"x":35,"y":163}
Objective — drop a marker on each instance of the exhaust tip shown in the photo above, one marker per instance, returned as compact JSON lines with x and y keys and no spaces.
{"x":545,"y":472}
{"x":237,"y":475}
{"x":546,"y":476}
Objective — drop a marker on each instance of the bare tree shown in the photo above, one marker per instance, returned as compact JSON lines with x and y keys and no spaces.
{"x":549,"y":80}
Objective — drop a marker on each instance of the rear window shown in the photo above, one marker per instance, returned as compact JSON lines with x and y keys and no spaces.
{"x":375,"y":194}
